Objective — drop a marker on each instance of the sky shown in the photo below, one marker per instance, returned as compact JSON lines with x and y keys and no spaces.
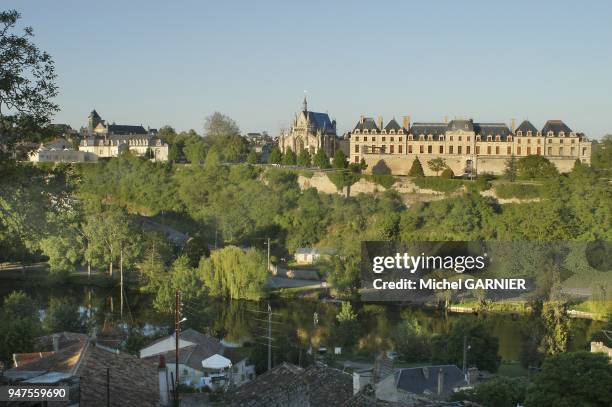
{"x":161,"y":62}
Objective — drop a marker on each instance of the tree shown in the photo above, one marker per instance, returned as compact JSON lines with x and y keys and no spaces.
{"x":345,"y":332}
{"x":511,"y":171}
{"x":602,"y":153}
{"x":289,"y":158}
{"x":499,"y":392}
{"x":572,"y":379}
{"x":63,"y":315}
{"x":436,"y":164}
{"x":304,"y":159}
{"x":556,"y":327}
{"x":320,"y":159}
{"x":339,"y":160}
{"x":483,"y":351}
{"x":417,"y":169}
{"x":218,"y":126}
{"x":535,"y":166}
{"x":252,"y":157}
{"x":195,"y":150}
{"x":234,"y":273}
{"x":27,"y":81}
{"x":448,"y":173}
{"x":410,"y":342}
{"x":275,"y":156}
{"x":174,"y":153}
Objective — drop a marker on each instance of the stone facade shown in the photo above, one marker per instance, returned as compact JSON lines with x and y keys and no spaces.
{"x":310,"y":131}
{"x":60,"y":150}
{"x":465,"y":146}
{"x":110,"y":140}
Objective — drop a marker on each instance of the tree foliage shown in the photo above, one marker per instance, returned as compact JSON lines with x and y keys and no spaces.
{"x":416,"y":170}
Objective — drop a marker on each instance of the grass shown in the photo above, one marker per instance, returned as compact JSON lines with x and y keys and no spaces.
{"x":439,"y":184}
{"x":385,"y":180}
{"x":520,"y":191}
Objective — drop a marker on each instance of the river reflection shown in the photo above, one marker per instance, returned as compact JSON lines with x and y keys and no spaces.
{"x":240,"y":322}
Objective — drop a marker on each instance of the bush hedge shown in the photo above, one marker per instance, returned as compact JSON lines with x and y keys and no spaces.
{"x":521,"y":191}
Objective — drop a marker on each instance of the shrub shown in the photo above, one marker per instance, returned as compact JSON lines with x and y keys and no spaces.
{"x":417,"y":169}
{"x":521,"y":191}
{"x":535,"y":166}
{"x":439,"y":184}
{"x":448,"y":173}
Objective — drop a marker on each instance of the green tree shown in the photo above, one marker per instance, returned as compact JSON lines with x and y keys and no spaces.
{"x":289,"y":158}
{"x":511,"y":171}
{"x":572,"y":379}
{"x":448,"y":173}
{"x":535,"y":166}
{"x":174,"y":154}
{"x":417,"y":169}
{"x":63,"y":315}
{"x":499,"y":392}
{"x":195,"y":150}
{"x":304,"y":159}
{"x":410,"y":341}
{"x":320,"y":159}
{"x":27,"y":81}
{"x":436,"y":164}
{"x":339,"y":160}
{"x":275,"y":156}
{"x":602,"y":153}
{"x":252,"y":157}
{"x":483,"y":351}
{"x":556,"y":327}
{"x":234,"y":273}
{"x":344,"y":333}
{"x":218,"y":126}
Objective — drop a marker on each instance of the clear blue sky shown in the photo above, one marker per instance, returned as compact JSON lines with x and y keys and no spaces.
{"x":163,"y":62}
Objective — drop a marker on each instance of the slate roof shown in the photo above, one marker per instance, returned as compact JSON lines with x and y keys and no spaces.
{"x":328,"y":387}
{"x":492,"y":129}
{"x":526,"y":126}
{"x":460,"y":124}
{"x":94,"y":114}
{"x":125,"y":129}
{"x":556,"y":126}
{"x":320,"y":120}
{"x":368,"y":124}
{"x":424,"y":380}
{"x":393,"y":125}
{"x":435,"y":129}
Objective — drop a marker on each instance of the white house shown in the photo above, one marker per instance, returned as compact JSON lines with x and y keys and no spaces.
{"x":307,"y":255}
{"x":60,"y":150}
{"x":203,"y":360}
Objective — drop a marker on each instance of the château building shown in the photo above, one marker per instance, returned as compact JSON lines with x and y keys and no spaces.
{"x":466,"y":146}
{"x":310,"y":131}
{"x":110,"y":140}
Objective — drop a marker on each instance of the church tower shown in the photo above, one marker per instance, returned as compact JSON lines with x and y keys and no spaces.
{"x":92,"y":121}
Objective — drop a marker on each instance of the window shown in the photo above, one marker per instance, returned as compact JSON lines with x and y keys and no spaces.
{"x":357,"y":138}
{"x":509,"y":138}
{"x":459,"y":138}
{"x":441,"y":150}
{"x":528,"y":141}
{"x":489,"y":138}
{"x":477,"y":149}
{"x":573,"y":150}
{"x":356,"y":148}
{"x":468,"y":138}
{"x":508,"y":150}
{"x":450,"y":138}
{"x":421,"y":149}
{"x":399,"y":139}
{"x":450,"y":149}
{"x":549,"y":150}
{"x":497,"y":150}
{"x":478,"y":138}
{"x":573,"y":141}
{"x":519,"y":133}
{"x":391,"y":138}
{"x":440,"y":138}
{"x":458,"y":149}
{"x":467,"y":150}
{"x":489,"y":149}
{"x":529,"y":133}
{"x":498,"y":138}
{"x":429,"y":149}
{"x":399,"y":149}
{"x":528,"y":150}
{"x":430,"y":137}
{"x":518,"y":150}
{"x":356,"y":161}
{"x":584,"y":151}
{"x":409,"y":148}
{"x":549,"y":134}
{"x":373,"y":138}
{"x":422,"y":137}
{"x":519,"y":141}
{"x":392,"y":149}
{"x":549,"y":141}
{"x":384,"y":138}
{"x":560,"y":150}
{"x":561,"y":134}
{"x":365,"y":139}
{"x":538,"y":151}
{"x":560,"y":141}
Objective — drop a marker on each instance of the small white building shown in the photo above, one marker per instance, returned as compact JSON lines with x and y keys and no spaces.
{"x":203,"y":360}
{"x":307,"y":255}
{"x":60,"y":150}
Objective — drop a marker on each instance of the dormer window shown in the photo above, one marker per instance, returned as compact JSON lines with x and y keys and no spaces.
{"x":422,"y":137}
{"x":572,"y":134}
{"x":520,"y":133}
{"x":357,"y":131}
{"x":561,"y":134}
{"x":365,"y":131}
{"x":550,"y":134}
{"x":498,"y":138}
{"x":489,"y":138}
{"x":478,"y":138}
{"x":410,"y":137}
{"x":430,"y":137}
{"x":440,"y":138}
{"x":509,"y":138}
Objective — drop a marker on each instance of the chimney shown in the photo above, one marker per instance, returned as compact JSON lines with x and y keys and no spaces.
{"x":162,"y":374}
{"x":512,"y":125}
{"x":426,"y":372}
{"x":55,"y":339}
{"x":440,"y":382}
{"x":380,"y":123}
{"x":406,"y":122}
{"x":361,"y":119}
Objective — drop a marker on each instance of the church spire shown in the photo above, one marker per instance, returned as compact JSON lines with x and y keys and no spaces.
{"x":305,"y":105}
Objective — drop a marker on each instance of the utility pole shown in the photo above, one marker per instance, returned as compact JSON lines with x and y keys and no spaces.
{"x":177,"y":330}
{"x":269,"y":330}
{"x":464,"y":354}
{"x":121,"y":276}
{"x":268,"y":254}
{"x":315,"y":320}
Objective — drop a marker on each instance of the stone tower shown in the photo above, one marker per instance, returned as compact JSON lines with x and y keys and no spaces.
{"x":92,"y":121}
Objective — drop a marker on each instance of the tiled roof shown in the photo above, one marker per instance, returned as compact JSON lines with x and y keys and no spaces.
{"x":435,"y":129}
{"x":320,"y":120}
{"x":492,"y":129}
{"x":318,"y":385}
{"x":556,"y":126}
{"x":64,"y":360}
{"x":125,"y":129}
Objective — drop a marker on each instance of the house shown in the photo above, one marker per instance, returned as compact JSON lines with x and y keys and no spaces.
{"x":203,"y":360}
{"x":289,"y":385}
{"x":307,"y":255}
{"x":414,"y":385}
{"x":91,"y":370}
{"x":60,"y":150}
